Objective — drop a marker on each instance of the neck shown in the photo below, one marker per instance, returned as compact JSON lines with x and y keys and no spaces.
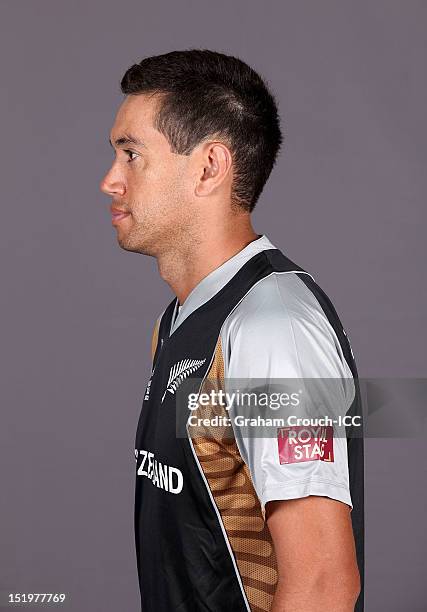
{"x":183,"y":267}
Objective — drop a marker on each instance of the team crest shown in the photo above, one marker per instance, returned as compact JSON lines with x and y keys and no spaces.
{"x":180,"y":371}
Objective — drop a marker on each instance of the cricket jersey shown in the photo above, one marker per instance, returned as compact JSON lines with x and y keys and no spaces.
{"x":202,"y":539}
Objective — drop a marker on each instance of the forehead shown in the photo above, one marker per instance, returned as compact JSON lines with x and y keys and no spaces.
{"x":135,"y":115}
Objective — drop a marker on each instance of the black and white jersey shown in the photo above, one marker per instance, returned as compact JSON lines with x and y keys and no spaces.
{"x":202,"y":541}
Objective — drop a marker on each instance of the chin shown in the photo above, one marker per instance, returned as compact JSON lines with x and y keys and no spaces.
{"x":134,"y":246}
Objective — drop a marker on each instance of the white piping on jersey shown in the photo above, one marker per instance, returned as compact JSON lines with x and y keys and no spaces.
{"x":230,"y":550}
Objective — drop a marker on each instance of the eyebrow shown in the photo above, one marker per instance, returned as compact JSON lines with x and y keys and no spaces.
{"x":126,"y":139}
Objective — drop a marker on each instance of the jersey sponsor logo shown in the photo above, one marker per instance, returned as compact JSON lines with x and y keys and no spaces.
{"x":179,"y":372}
{"x":297,"y":444}
{"x":161,"y":475}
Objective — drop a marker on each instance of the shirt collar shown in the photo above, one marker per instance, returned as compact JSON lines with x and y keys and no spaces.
{"x":215,"y":280}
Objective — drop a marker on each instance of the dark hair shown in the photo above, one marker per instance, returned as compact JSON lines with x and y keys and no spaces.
{"x":205,"y":94}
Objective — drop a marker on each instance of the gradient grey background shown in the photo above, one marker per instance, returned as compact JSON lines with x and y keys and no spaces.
{"x":346,"y":201}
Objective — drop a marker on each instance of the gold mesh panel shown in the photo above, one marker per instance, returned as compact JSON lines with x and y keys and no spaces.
{"x":154,"y":339}
{"x":231,"y":485}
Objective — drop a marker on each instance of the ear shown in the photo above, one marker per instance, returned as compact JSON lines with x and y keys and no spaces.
{"x":215,"y":168}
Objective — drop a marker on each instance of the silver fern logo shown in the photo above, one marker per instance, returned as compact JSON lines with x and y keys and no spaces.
{"x":179,"y":372}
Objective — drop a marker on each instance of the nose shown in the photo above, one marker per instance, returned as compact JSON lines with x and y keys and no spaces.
{"x":111,"y":185}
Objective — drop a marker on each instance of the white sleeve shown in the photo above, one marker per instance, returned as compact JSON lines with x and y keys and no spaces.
{"x":281,"y":332}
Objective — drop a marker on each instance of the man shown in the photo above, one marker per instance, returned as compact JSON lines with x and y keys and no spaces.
{"x":229,"y":522}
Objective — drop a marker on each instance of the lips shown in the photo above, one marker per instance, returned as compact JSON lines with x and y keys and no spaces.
{"x":117,"y":214}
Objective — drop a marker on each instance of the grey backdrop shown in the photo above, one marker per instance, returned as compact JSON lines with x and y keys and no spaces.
{"x":346,"y":201}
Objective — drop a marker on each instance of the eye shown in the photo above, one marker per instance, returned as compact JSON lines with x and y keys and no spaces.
{"x":130,"y":153}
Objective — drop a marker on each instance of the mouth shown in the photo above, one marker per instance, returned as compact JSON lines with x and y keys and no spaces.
{"x":118,"y":215}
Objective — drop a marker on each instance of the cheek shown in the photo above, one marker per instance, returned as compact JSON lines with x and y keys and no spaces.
{"x":153,"y":177}
{"x":142,"y":186}
{"x":161,"y":188}
{"x":170,"y":186}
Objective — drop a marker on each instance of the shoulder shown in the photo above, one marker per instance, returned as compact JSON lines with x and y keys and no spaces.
{"x":278,"y":296}
{"x":280,"y":327}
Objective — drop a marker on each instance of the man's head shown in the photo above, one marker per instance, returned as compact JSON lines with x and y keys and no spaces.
{"x":207,"y":135}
